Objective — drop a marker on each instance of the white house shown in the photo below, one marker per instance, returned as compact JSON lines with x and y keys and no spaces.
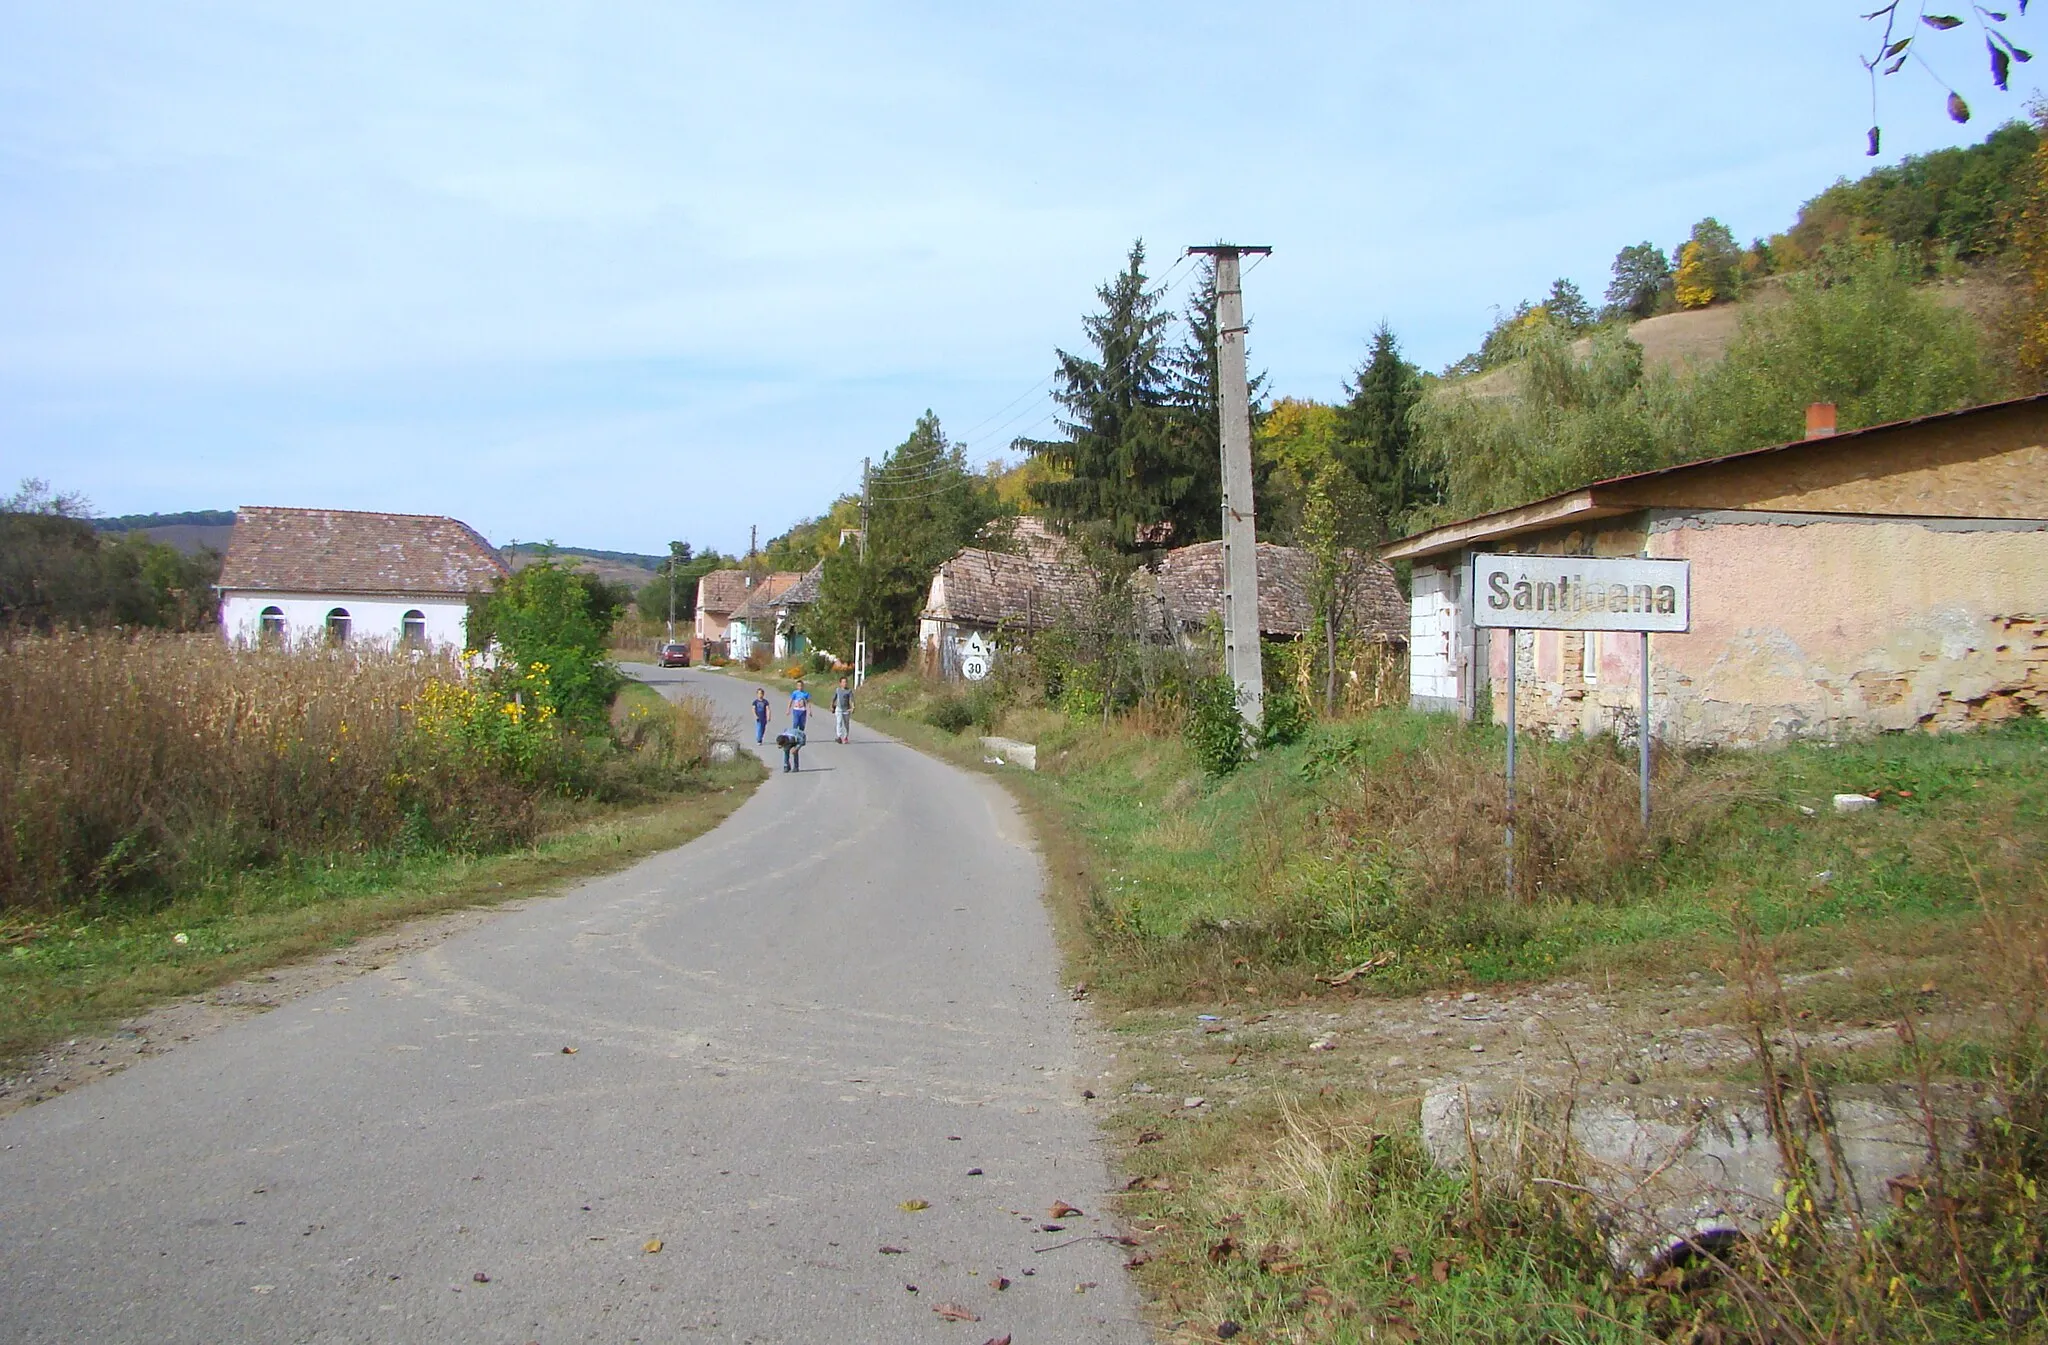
{"x":303,"y":576}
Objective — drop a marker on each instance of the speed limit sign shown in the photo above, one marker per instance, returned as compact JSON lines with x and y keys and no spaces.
{"x":976,"y":657}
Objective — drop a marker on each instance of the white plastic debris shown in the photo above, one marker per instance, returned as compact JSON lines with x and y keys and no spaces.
{"x":1854,"y":803}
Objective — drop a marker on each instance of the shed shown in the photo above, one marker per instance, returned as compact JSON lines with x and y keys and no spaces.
{"x":1888,"y":578}
{"x":300,"y":576}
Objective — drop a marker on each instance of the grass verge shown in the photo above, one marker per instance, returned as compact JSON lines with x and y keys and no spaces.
{"x":1276,"y":1181}
{"x":61,"y":975}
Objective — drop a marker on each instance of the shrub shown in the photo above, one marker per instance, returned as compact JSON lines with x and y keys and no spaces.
{"x":949,"y":712}
{"x":1215,"y":730}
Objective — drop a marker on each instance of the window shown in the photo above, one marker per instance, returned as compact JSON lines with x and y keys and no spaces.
{"x":337,"y":626}
{"x":270,"y":626}
{"x":413,"y":634}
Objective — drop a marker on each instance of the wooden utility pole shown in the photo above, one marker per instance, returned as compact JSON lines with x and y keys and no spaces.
{"x":1242,"y":661}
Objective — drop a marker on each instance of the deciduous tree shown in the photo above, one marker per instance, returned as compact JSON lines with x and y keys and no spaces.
{"x":1639,"y":276}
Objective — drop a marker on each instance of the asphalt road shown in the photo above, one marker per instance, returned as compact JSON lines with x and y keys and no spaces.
{"x":841,"y":1001}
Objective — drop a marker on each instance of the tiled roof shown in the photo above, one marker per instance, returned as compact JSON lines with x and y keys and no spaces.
{"x":1190,"y":583}
{"x":762,"y":598}
{"x":805,"y":590}
{"x":993,"y":588}
{"x":722,"y":590}
{"x":344,"y":551}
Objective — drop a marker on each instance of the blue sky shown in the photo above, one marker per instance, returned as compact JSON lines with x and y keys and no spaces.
{"x":624,"y":272}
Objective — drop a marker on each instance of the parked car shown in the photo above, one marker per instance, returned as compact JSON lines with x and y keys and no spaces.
{"x":674,"y":656}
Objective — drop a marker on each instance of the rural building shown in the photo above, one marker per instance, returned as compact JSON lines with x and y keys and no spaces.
{"x":304,"y":576}
{"x":1189,"y":594}
{"x":768,"y":610}
{"x":719,"y":594}
{"x":1024,"y":580}
{"x":755,"y":620}
{"x":1889,"y":578}
{"x":1038,"y":579}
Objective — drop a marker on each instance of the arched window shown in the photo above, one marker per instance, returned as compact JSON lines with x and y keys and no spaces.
{"x":337,"y":626}
{"x":413,"y":634}
{"x":270,"y":626}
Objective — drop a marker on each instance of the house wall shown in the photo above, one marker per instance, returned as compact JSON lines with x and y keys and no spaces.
{"x":372,"y":619}
{"x":1432,"y":638}
{"x":713,"y":625}
{"x":1804,"y":625}
{"x":1991,"y":465}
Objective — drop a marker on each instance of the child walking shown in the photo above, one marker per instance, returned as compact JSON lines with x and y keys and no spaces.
{"x":760,"y":713}
{"x":842,"y":710}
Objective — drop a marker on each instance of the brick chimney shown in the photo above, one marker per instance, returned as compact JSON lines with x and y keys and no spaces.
{"x":1820,"y":420}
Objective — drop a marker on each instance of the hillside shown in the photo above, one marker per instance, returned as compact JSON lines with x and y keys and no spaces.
{"x":1697,"y":338}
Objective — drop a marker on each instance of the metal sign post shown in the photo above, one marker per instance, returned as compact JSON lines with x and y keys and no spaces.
{"x":1514,"y":658}
{"x":1581,"y":593}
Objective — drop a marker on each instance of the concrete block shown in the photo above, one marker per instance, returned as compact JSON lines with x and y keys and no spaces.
{"x":1013,"y":752}
{"x":1854,"y":803}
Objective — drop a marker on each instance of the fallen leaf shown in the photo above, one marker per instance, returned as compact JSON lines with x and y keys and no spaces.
{"x":1052,"y":1228}
{"x":1150,"y":1136}
{"x":652,"y":1246}
{"x":953,"y":1312}
{"x":1440,"y":1271}
{"x":999,"y":1283}
{"x":1062,"y":1210}
{"x":1226,"y":1328}
{"x":974,"y":1172}
{"x":1140,"y":1259}
{"x":1318,"y":1295}
{"x":890,"y":1251}
{"x":1222,"y":1251}
{"x":568,"y":1050}
{"x":913,"y":1206}
{"x":997,"y":1340}
{"x":1084,"y":1286}
{"x":481,"y":1278}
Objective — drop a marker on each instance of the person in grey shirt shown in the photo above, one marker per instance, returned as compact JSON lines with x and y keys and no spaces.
{"x":842,"y":710}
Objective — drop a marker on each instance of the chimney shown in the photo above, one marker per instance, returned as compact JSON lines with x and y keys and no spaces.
{"x":1820,"y":420}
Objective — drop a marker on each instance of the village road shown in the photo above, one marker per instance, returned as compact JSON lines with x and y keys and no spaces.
{"x":840,"y":1003}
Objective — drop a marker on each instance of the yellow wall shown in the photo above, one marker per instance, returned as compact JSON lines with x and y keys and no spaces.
{"x":1812,"y":628}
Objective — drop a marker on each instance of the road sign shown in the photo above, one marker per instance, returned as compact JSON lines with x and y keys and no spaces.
{"x":1581,"y":593}
{"x":977,"y":656}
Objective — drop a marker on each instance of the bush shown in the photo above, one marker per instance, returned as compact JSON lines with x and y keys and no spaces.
{"x":1215,"y":730}
{"x":949,"y":712}
{"x":1286,"y":718}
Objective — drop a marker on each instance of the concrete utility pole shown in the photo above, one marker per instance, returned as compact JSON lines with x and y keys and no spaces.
{"x":1242,"y":661}
{"x":860,"y":628}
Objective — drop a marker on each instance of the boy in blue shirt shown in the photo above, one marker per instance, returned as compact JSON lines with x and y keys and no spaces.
{"x":799,"y":706}
{"x":760,"y":713}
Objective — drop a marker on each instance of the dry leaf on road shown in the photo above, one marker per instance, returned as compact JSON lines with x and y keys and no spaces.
{"x":653,"y":1246}
{"x":913,"y":1206}
{"x":953,"y":1312}
{"x":1062,"y":1210}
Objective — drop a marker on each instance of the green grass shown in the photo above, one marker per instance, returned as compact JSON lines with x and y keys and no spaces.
{"x":63,"y":975}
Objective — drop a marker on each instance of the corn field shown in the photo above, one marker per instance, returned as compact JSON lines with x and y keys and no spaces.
{"x":132,"y":763}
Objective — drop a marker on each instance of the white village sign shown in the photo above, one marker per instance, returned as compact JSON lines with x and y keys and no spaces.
{"x":1581,"y":593}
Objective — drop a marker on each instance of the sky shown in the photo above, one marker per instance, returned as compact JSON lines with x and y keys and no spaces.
{"x":616,"y":274}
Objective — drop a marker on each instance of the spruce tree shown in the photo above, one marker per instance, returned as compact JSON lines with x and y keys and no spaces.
{"x":1197,"y":399}
{"x":1375,"y":441}
{"x":1119,"y":466}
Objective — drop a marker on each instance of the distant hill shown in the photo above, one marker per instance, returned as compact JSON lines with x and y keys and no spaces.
{"x":204,"y":518}
{"x":631,"y":568}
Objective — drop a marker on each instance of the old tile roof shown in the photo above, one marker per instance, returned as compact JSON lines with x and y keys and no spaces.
{"x":804,"y":591}
{"x":763,"y":598}
{"x":994,"y":588}
{"x":1190,"y":587}
{"x":345,"y":551}
{"x":722,"y":590}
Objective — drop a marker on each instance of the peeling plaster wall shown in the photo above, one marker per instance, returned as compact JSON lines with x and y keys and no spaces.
{"x":1806,"y":626}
